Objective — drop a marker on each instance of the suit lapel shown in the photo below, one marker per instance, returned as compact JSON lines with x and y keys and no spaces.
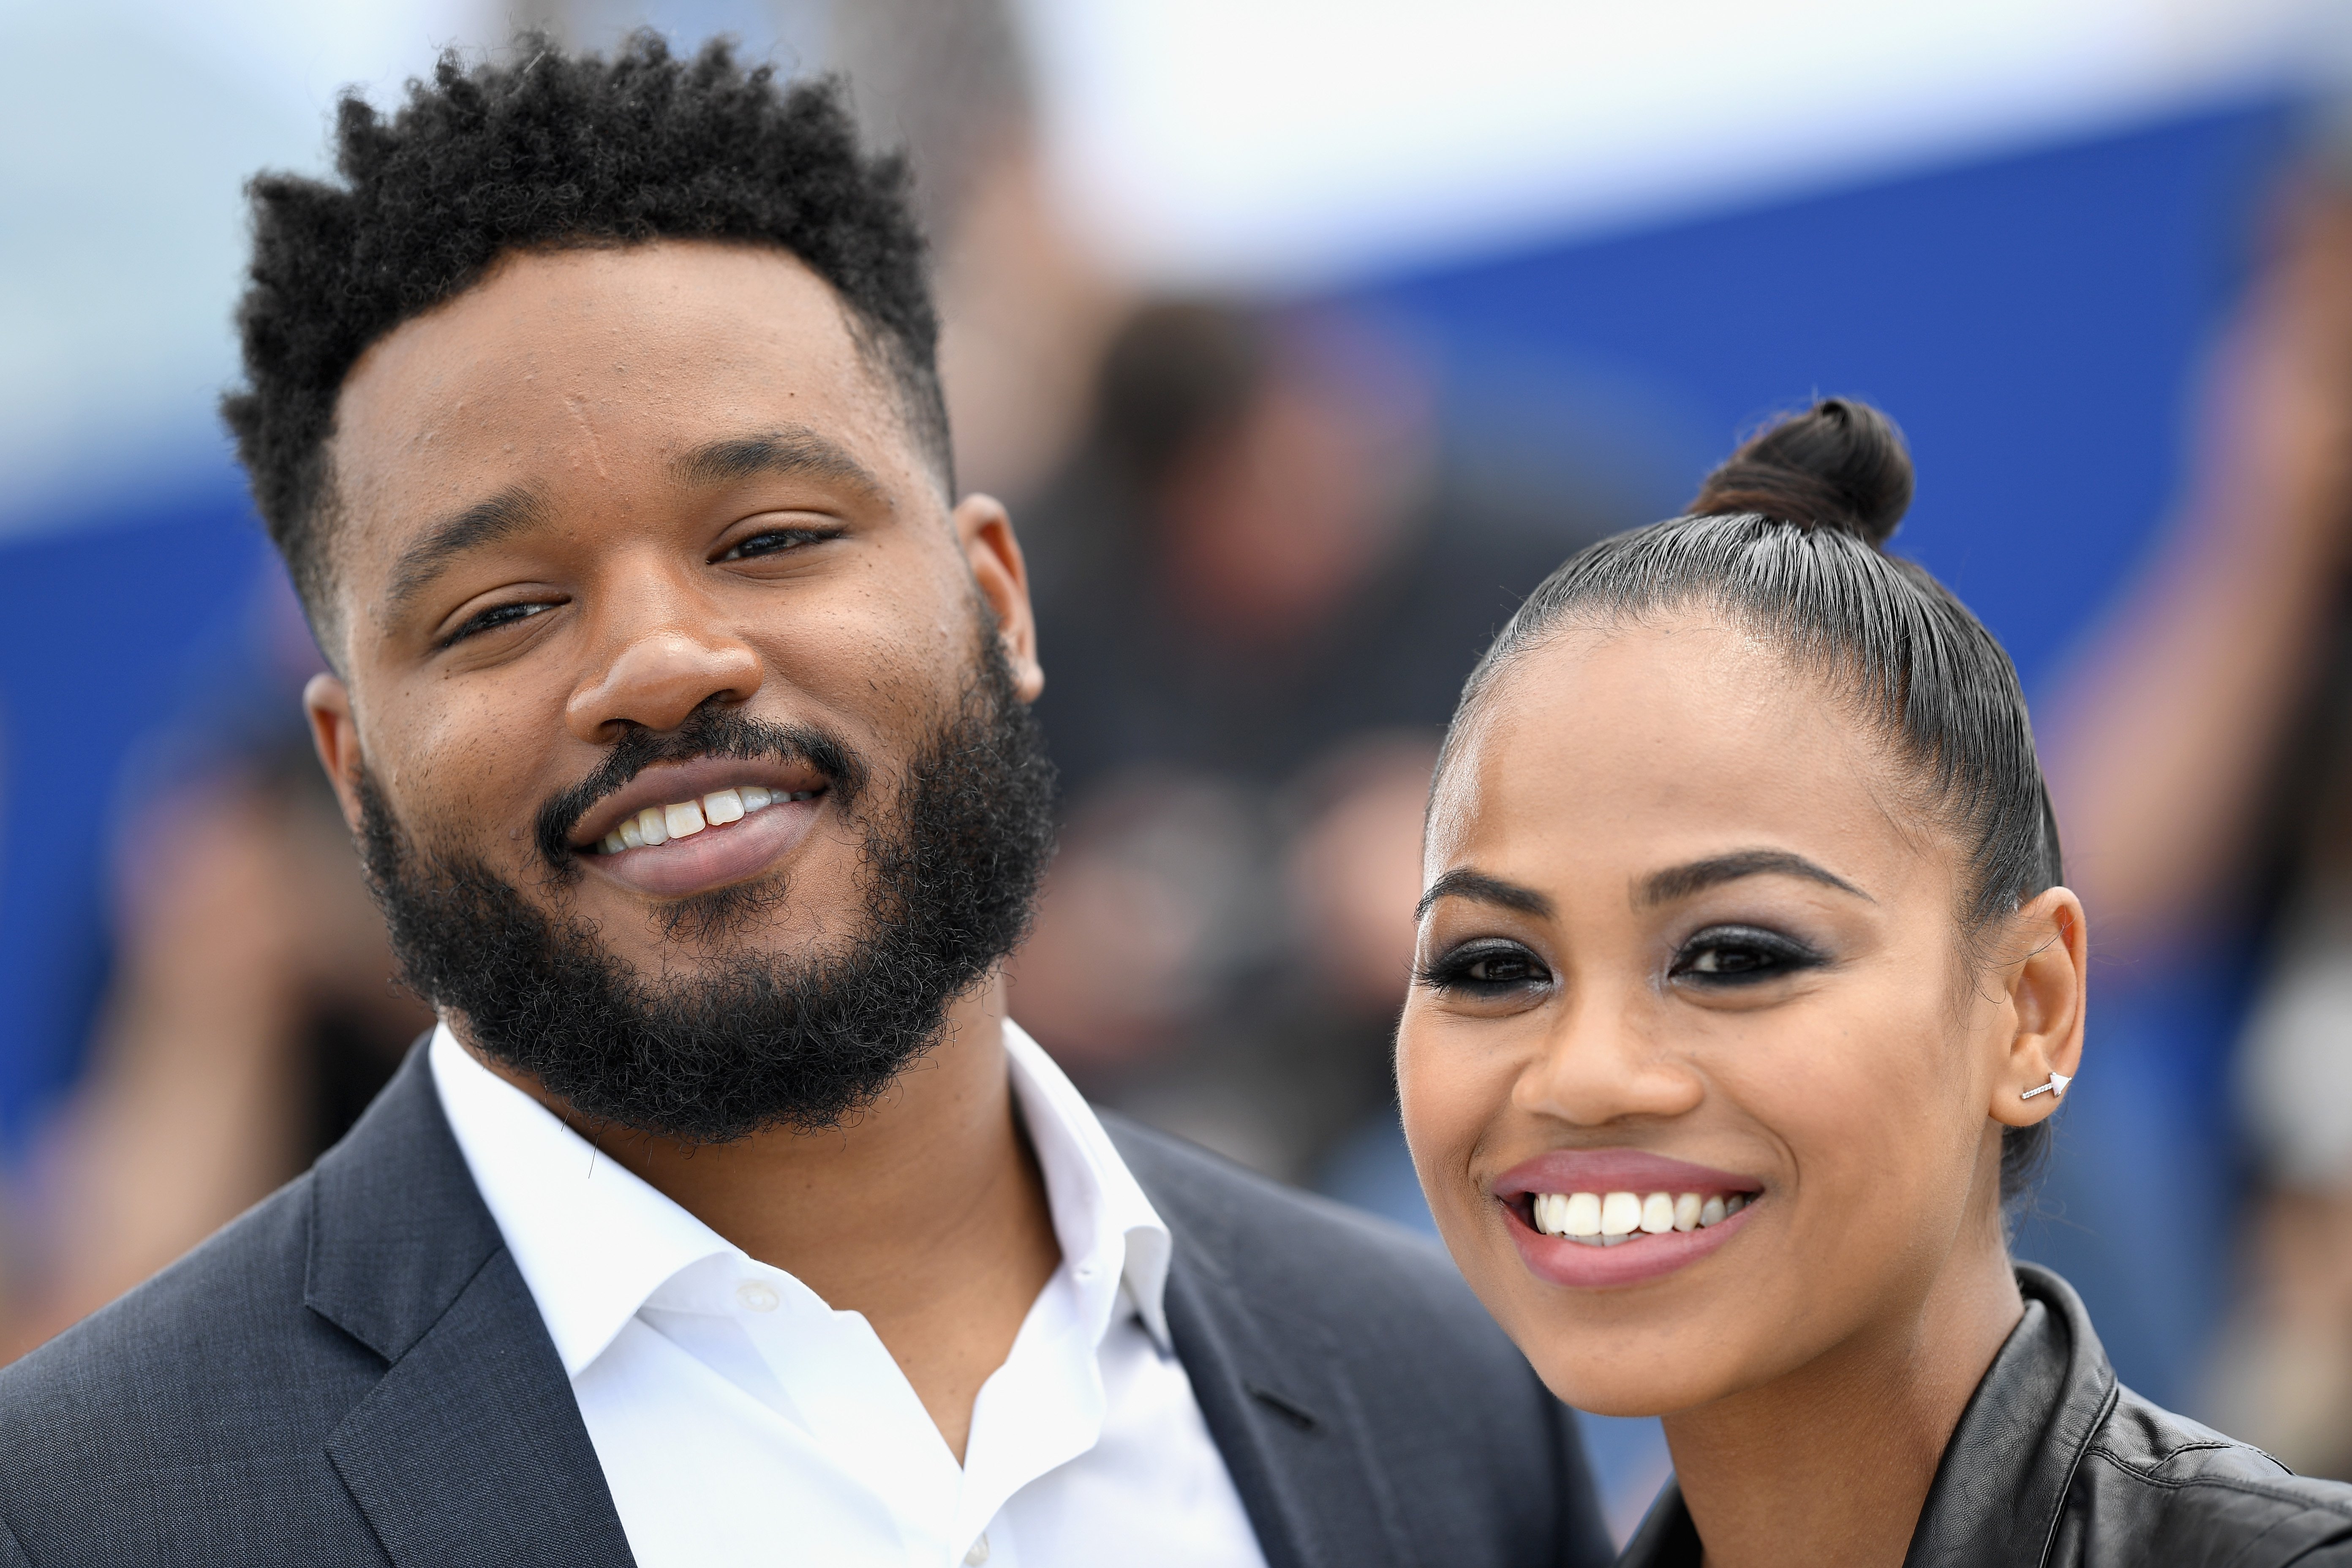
{"x":471,"y":1449}
{"x":1294,"y":1438}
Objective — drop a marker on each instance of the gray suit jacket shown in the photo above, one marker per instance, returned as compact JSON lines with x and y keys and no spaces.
{"x":355,"y":1373}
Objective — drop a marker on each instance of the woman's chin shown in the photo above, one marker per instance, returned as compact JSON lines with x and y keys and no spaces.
{"x":1612,"y":1390}
{"x":1679,"y":1356}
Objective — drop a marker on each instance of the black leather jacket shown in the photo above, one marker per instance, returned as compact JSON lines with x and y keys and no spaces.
{"x":2055,"y":1463}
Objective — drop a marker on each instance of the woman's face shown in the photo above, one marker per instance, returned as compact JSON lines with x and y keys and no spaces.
{"x":1689,"y":932}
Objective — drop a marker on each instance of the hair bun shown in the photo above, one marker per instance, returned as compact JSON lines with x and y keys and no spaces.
{"x":1839,"y":464}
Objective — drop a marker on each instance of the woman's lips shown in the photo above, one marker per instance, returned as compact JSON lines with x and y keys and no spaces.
{"x":714,"y":856}
{"x":1644,"y":1257}
{"x":1617,"y":1170}
{"x":1631,"y":1216}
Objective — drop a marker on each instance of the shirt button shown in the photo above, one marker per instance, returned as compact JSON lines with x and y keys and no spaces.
{"x":978,"y":1555}
{"x":756,"y":1297}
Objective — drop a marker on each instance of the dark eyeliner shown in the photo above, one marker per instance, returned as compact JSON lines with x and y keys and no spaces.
{"x":1509,"y":966}
{"x":1735,"y":955}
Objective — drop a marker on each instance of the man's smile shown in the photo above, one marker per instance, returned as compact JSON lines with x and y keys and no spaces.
{"x":682,"y":828}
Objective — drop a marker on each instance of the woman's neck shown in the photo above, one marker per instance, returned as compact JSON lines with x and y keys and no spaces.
{"x":1831,"y":1463}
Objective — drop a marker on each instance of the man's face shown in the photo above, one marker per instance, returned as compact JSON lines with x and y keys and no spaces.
{"x":622,"y":538}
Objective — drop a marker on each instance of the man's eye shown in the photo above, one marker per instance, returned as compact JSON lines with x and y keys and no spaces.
{"x":497,"y":615}
{"x":1734,"y":955}
{"x":773,"y":541}
{"x":1486,"y":970}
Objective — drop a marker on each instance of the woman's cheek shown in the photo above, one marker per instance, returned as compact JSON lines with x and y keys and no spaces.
{"x":1859,"y":1109}
{"x":1421,"y":1099}
{"x":1446,"y":1108}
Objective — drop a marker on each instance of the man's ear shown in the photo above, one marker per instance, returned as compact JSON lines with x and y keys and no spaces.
{"x":2046,"y":994}
{"x":985,"y":531}
{"x":336,"y":734}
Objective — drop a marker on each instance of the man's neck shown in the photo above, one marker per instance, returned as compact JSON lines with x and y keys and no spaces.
{"x":927,"y":1212}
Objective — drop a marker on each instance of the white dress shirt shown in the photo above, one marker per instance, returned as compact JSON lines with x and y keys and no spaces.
{"x":740,"y":1419}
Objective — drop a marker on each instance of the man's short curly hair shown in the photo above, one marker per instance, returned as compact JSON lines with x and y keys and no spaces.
{"x":551,"y":152}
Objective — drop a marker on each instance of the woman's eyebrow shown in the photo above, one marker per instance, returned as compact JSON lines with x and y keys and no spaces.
{"x":1464,"y":883}
{"x":1681,"y":882}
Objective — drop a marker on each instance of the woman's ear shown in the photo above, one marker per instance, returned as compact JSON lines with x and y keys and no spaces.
{"x":2046,"y":995}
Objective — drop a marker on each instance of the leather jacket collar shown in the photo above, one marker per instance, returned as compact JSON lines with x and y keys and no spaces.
{"x":2055,"y":1463}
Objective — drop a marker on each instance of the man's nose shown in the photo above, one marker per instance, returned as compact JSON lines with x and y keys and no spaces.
{"x":657,"y":677}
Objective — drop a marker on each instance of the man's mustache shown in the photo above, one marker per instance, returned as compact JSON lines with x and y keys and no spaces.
{"x":710,"y":731}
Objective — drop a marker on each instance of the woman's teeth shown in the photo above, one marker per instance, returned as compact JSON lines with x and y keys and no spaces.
{"x":658,"y":825}
{"x":1605,"y":1219}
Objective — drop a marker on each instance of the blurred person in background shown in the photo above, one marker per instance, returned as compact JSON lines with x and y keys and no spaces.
{"x":252,"y":1011}
{"x":2201,"y":762}
{"x":1025,"y":306}
{"x":1264,"y":589}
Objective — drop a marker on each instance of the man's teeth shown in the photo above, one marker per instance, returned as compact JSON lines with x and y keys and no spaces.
{"x":657,"y":824}
{"x":1607,"y":1219}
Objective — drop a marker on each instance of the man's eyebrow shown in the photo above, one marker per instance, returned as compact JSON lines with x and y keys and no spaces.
{"x":1464,"y":883}
{"x":520,"y":507}
{"x":500,"y":516}
{"x":776,"y":452}
{"x":1681,"y":882}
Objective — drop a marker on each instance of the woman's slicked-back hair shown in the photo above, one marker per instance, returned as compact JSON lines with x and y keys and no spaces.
{"x":557,"y":151}
{"x":1786,"y":538}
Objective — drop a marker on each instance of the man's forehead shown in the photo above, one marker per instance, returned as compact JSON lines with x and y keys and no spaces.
{"x":648,"y":324}
{"x":597,"y":367}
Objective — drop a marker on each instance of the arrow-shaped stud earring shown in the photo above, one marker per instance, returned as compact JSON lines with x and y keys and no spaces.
{"x":2057,"y":1086}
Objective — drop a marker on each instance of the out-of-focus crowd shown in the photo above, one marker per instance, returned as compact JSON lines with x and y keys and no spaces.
{"x":1262,"y":567}
{"x":2202,"y":760}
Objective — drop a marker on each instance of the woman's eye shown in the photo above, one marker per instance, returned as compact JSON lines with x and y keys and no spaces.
{"x":772,"y":540}
{"x":1732,"y":955}
{"x":1486,"y":971}
{"x":494,"y":617}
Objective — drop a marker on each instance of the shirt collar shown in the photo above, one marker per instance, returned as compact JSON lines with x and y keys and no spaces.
{"x":1111,"y":1237}
{"x":594,"y":1241}
{"x":591,"y":1237}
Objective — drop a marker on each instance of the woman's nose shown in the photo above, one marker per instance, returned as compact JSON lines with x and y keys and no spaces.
{"x":1599,"y":1066}
{"x":660,"y":676}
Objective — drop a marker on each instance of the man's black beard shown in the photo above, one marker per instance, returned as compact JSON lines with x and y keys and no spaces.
{"x":749,"y":1040}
